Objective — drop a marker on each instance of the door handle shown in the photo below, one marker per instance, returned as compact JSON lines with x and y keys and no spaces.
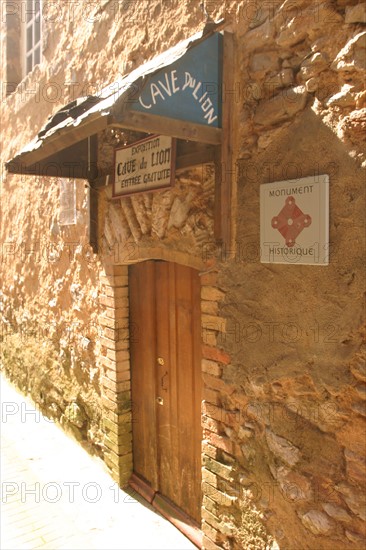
{"x":160,"y":401}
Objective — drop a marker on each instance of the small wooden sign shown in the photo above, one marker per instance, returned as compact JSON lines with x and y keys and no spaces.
{"x":145,"y":165}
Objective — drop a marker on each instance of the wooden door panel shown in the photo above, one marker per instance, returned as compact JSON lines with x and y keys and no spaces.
{"x":189,"y":395}
{"x":169,"y":348}
{"x":166,"y":387}
{"x":143,"y":376}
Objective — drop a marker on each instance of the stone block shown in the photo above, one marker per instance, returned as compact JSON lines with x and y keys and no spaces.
{"x":356,"y":14}
{"x":209,"y":337}
{"x":282,"y":448}
{"x":211,"y":519}
{"x":109,"y":394}
{"x":293,"y":32}
{"x":108,"y":383}
{"x":211,"y":308}
{"x":312,"y":84}
{"x":210,"y":505}
{"x":109,"y":322}
{"x":318,"y":523}
{"x":359,"y":408}
{"x":120,"y":472}
{"x":209,"y":278}
{"x":211,"y":367}
{"x":336,"y":512}
{"x":213,"y":322}
{"x":215,"y":354}
{"x":117,"y":448}
{"x":221,"y":442}
{"x":211,"y":532}
{"x":118,"y":417}
{"x":209,"y":478}
{"x":313,"y":65}
{"x":119,"y":377}
{"x":361,"y":390}
{"x":264,"y":62}
{"x":281,"y":107}
{"x":216,"y":467}
{"x":228,"y":417}
{"x":352,"y":57}
{"x":113,"y":313}
{"x":118,"y":334}
{"x":113,"y":345}
{"x":210,"y":424}
{"x":120,"y":355}
{"x":212,"y":294}
{"x":111,"y":458}
{"x":211,"y":396}
{"x":108,"y":363}
{"x":118,"y":433}
{"x":116,"y":270}
{"x":344,"y":98}
{"x":356,"y":538}
{"x":108,"y":301}
{"x":294,"y":486}
{"x":273,"y":82}
{"x":222,"y":527}
{"x":109,"y":425}
{"x":114,"y":292}
{"x":121,"y":446}
{"x":121,"y":280}
{"x":222,"y":498}
{"x":110,"y":404}
{"x":217,"y":384}
{"x":355,"y":467}
{"x":208,"y":449}
{"x":260,"y":37}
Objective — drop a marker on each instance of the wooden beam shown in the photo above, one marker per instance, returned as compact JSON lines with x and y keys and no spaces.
{"x":224,"y":226}
{"x":154,"y":124}
{"x":61,"y":139}
{"x":218,"y":192}
{"x":71,"y":162}
{"x":93,"y":218}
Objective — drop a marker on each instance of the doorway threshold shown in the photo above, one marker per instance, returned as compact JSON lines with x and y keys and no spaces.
{"x":169,"y":510}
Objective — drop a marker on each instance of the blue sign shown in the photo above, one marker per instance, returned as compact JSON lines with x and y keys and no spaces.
{"x":190,"y":88}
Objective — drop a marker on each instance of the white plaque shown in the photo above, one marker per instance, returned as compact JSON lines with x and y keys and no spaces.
{"x":295,"y":221}
{"x":144,"y":165}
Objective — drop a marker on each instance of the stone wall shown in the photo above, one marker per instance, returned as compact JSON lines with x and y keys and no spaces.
{"x":283,"y":345}
{"x":115,"y":372}
{"x":284,"y":416}
{"x":52,"y":310}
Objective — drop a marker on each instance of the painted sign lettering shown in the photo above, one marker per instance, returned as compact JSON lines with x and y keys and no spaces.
{"x":189,"y":89}
{"x":295,"y":221}
{"x":145,"y":165}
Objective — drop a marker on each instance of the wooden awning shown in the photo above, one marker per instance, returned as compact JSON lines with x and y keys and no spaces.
{"x":178,"y":93}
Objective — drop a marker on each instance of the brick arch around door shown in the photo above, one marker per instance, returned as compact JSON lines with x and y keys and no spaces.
{"x":166,"y":386}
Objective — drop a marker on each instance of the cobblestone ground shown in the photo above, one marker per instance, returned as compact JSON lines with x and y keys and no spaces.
{"x":55,"y":496}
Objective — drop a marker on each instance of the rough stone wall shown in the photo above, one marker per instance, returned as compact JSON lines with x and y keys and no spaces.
{"x":284,"y":409}
{"x":284,"y":418}
{"x":49,"y":308}
{"x":52,"y":289}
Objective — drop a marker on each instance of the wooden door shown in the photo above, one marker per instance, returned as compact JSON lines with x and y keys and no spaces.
{"x":166,"y":381}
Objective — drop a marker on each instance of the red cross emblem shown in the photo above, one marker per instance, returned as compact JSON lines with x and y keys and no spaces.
{"x":291,"y":221}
